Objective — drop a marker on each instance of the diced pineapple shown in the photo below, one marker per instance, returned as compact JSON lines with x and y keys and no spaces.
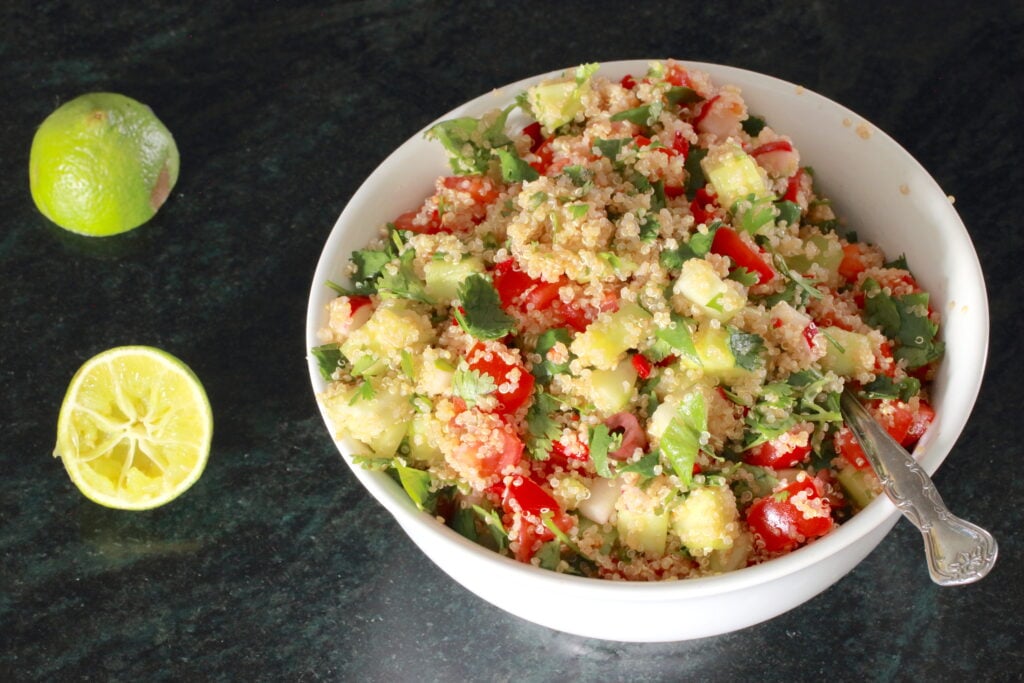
{"x":706,"y":520}
{"x":847,"y":354}
{"x":379,"y":419}
{"x":610,"y":390}
{"x":606,"y":340}
{"x":442,"y":278}
{"x":731,"y":559}
{"x":733,"y":174}
{"x":699,"y":283}
{"x":394,"y":327}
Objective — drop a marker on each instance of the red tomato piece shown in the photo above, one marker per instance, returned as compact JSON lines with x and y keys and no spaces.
{"x":793,"y":186}
{"x":525,"y":500}
{"x":627,"y":82}
{"x":789,"y":517}
{"x":678,"y":76}
{"x":779,"y":453}
{"x":705,"y":110}
{"x":681,"y":144}
{"x":642,"y":365}
{"x":484,"y":457}
{"x":514,"y":382}
{"x":853,"y":263}
{"x":432,"y":226}
{"x":698,"y":207}
{"x":922,"y":419}
{"x":727,"y":242}
{"x":773,"y":146}
{"x":480,"y":188}
{"x":511,"y":283}
{"x":533,"y":130}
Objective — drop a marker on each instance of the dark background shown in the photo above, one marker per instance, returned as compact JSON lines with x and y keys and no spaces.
{"x":276,"y":564}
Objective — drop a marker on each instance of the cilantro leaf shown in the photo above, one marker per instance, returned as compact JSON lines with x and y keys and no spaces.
{"x":472,"y":385}
{"x":417,"y":484}
{"x":546,"y":369}
{"x":497,"y":529}
{"x":789,"y":212}
{"x":402,"y":282}
{"x":513,"y":168}
{"x":542,"y":427}
{"x":695,"y":178}
{"x":745,"y":277}
{"x":644,"y":466}
{"x":644,"y":115}
{"x":364,"y":392}
{"x":746,"y":347}
{"x":481,"y":314}
{"x":680,"y":94}
{"x":368,"y":264}
{"x":612,"y":148}
{"x":469,"y":141}
{"x":676,"y":339}
{"x":681,"y":440}
{"x":600,"y":440}
{"x":753,"y":125}
{"x":329,"y":359}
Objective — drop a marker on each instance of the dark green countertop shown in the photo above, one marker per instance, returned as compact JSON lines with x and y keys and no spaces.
{"x":276,"y":564}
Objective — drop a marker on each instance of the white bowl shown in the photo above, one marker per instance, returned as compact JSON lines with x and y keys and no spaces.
{"x":882,"y":193}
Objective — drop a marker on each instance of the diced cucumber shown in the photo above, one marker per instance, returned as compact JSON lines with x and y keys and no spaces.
{"x":715,"y":355}
{"x":442,"y":277}
{"x":858,"y":485}
{"x":847,"y":353}
{"x":733,"y":174}
{"x":828,"y":254}
{"x":706,"y":520}
{"x":699,"y":283}
{"x":605,"y":340}
{"x":422,"y":438}
{"x":645,"y":531}
{"x":610,"y":390}
{"x":392,"y":328}
{"x":556,"y":103}
{"x":379,"y":420}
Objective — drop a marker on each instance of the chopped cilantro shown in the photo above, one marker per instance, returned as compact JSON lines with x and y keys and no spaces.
{"x":644,"y":115}
{"x":746,"y":347}
{"x":578,"y":211}
{"x":745,"y":277}
{"x":611,"y":148}
{"x":680,"y":94}
{"x":904,"y":319}
{"x":543,"y":429}
{"x":493,"y":521}
{"x":675,"y":339}
{"x":514,"y":169}
{"x":649,"y":228}
{"x":753,"y":213}
{"x":364,"y":392}
{"x":789,"y":212}
{"x":753,"y":125}
{"x":885,"y":387}
{"x":682,"y":438}
{"x":481,"y":314}
{"x":695,"y":178}
{"x":600,"y":440}
{"x":546,"y":369}
{"x":329,"y":359}
{"x":472,"y":385}
{"x":402,"y":282}
{"x":645,"y":466}
{"x":470,"y":141}
{"x":417,"y":484}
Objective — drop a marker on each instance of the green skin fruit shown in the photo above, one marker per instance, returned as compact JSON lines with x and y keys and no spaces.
{"x":102,"y":164}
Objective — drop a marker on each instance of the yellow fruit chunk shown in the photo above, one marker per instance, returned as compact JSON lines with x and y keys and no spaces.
{"x":134,"y":428}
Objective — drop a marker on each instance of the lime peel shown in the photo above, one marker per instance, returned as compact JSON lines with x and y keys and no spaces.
{"x":134,"y":429}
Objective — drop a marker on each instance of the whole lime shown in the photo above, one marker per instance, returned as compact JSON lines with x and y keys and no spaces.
{"x":102,"y":164}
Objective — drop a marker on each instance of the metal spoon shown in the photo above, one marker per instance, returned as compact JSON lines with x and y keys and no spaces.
{"x":958,"y":552}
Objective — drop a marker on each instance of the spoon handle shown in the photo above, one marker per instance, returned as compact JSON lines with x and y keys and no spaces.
{"x":958,"y":552}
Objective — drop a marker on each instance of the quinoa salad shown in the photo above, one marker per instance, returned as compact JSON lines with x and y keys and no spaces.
{"x":612,"y":341}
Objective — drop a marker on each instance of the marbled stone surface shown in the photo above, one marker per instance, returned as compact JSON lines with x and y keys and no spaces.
{"x":277,"y":565}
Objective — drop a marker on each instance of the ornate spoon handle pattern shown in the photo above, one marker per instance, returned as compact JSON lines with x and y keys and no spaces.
{"x":958,"y":552}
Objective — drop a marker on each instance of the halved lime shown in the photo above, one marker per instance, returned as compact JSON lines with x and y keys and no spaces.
{"x":102,"y":164}
{"x":134,"y":429}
